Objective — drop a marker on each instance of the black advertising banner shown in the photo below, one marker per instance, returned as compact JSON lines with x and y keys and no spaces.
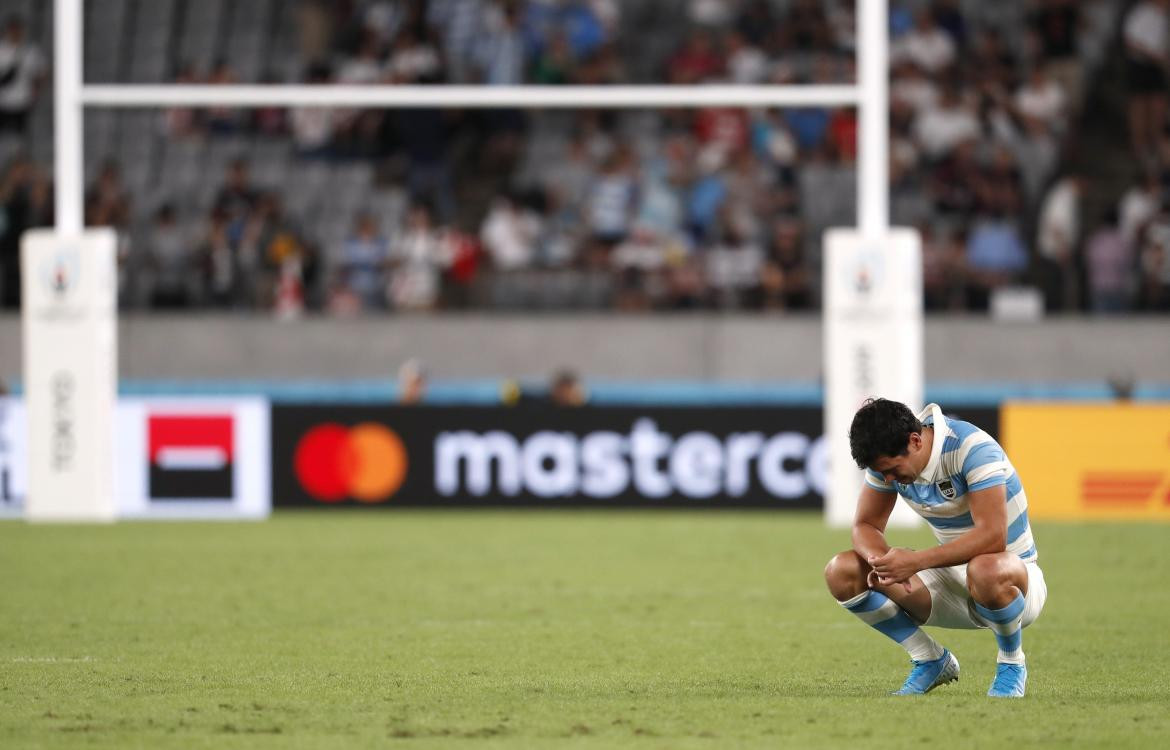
{"x":680,"y":457}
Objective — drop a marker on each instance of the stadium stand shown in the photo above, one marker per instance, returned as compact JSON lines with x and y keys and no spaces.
{"x":352,"y":211}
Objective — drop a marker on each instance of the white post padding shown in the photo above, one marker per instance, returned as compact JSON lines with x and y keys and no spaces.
{"x":70,"y":373}
{"x":873,"y":346}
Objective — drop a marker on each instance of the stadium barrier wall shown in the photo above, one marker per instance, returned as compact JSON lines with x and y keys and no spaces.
{"x":191,"y":458}
{"x":700,"y":347}
{"x":1091,"y":461}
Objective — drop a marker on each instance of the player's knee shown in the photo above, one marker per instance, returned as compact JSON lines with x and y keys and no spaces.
{"x":845,"y":575}
{"x":987,"y":576}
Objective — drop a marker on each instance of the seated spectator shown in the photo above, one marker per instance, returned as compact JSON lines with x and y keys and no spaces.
{"x":943,"y":270}
{"x":170,"y":263}
{"x":1147,"y":51}
{"x":733,"y":268}
{"x":183,"y":122}
{"x":566,"y":389}
{"x":1139,"y":205}
{"x":706,"y":198}
{"x":943,"y":127}
{"x":1110,"y":262}
{"x":912,"y":88}
{"x":806,"y":28}
{"x":1057,"y":26}
{"x":1057,"y":240}
{"x":612,"y":199}
{"x":418,"y":258}
{"x":756,"y":22}
{"x":217,"y":256}
{"x":412,"y":382}
{"x":710,"y":12}
{"x":25,"y":203}
{"x":499,"y":49}
{"x":555,"y":64}
{"x":746,"y":63}
{"x":696,"y":62}
{"x":996,"y":257}
{"x":223,"y":120}
{"x":237,"y":198}
{"x":107,"y":202}
{"x":786,"y":279}
{"x":457,"y":24}
{"x":340,"y":299}
{"x":363,"y":258}
{"x":950,"y":17}
{"x":926,"y":45}
{"x":1154,"y":265}
{"x":509,"y":234}
{"x":22,"y":71}
{"x":312,"y":127}
{"x":1041,"y":100}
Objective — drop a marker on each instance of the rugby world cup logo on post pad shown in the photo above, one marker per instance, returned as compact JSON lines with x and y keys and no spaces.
{"x":60,"y":273}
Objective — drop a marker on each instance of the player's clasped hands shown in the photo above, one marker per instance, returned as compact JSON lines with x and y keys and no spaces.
{"x":895,"y":566}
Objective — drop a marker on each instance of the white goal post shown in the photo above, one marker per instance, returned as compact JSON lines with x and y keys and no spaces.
{"x":869,"y":95}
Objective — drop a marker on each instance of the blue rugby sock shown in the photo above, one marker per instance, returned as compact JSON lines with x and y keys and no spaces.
{"x":1007,"y":624}
{"x":881,"y":613}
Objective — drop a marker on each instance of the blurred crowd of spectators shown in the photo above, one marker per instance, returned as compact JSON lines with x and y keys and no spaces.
{"x":709,"y":208}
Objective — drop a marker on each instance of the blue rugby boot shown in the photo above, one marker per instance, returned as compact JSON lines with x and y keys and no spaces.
{"x":927,"y":675}
{"x":1009,"y":681}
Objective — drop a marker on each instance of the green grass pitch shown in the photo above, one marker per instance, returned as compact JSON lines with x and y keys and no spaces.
{"x":542,"y":629}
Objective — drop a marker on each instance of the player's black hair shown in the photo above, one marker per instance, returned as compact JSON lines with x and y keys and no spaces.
{"x":881,"y":428}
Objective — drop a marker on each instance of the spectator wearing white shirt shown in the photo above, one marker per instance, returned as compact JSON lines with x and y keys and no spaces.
{"x":912,"y":88}
{"x":1042,"y":101}
{"x":355,"y":130}
{"x":940,"y":129}
{"x":22,"y":69}
{"x":926,"y":45}
{"x":418,"y":258}
{"x":1146,"y":47}
{"x":1057,"y":240}
{"x":1138,"y":206}
{"x":509,"y":234}
{"x":733,"y":268}
{"x":746,"y":64}
{"x":412,"y":60}
{"x":312,"y":127}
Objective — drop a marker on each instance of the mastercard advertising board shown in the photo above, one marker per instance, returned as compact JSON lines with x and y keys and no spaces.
{"x":1091,"y":460}
{"x":679,"y":457}
{"x":386,"y":457}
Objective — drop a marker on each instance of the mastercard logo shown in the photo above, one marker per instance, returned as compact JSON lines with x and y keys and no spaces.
{"x":366,"y":462}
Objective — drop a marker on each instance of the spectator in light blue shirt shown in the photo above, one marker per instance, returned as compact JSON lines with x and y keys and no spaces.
{"x":996,"y":257}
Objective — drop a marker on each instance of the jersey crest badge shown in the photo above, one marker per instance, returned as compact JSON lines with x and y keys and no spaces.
{"x":946,"y":489}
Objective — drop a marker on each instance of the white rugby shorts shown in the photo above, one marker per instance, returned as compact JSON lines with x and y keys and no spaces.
{"x":951,"y":605}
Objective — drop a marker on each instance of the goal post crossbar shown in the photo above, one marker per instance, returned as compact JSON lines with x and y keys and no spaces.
{"x":560,"y":97}
{"x":869,"y":95}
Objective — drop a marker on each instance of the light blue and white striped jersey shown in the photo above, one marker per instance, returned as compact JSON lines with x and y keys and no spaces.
{"x":963,"y":459}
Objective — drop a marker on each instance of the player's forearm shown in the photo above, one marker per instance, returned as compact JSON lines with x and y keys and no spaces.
{"x":869,"y":541}
{"x":977,"y":541}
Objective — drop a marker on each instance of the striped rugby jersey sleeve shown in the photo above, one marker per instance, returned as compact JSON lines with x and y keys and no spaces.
{"x":985,"y":466}
{"x":873,"y":479}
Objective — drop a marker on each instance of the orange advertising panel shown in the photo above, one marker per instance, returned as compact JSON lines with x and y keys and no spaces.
{"x":1091,"y":460}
